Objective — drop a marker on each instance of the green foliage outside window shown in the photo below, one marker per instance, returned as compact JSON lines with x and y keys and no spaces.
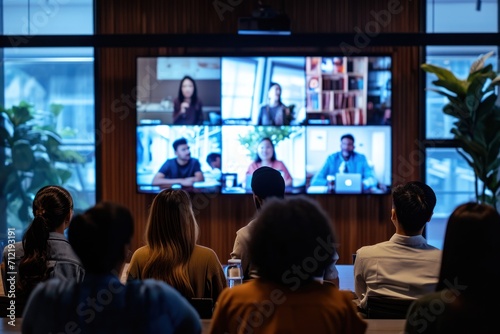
{"x":472,"y":102}
{"x":32,"y":157}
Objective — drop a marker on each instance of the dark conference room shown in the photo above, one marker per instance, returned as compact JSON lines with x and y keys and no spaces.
{"x":104,"y":89}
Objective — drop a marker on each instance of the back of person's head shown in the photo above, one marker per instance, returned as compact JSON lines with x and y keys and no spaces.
{"x":178,"y":142}
{"x":292,"y":241}
{"x":471,"y":249}
{"x":171,"y":234}
{"x":267,"y":182}
{"x":52,"y":207}
{"x":414,"y":204}
{"x":100,"y":236}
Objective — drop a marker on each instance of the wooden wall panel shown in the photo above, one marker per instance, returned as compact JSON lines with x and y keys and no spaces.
{"x":359,"y":220}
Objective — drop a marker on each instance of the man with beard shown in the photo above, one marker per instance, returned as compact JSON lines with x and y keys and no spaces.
{"x":347,"y":161}
{"x":182,"y":170}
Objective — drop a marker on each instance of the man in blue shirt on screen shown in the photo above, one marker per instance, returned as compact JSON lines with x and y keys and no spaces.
{"x":347,"y":161}
{"x":182,"y":170}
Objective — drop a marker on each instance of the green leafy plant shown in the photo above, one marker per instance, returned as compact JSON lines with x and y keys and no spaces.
{"x":472,"y":102}
{"x":32,"y":156}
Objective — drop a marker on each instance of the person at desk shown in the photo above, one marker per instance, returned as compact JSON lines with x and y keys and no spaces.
{"x":44,"y":251}
{"x":172,"y":254}
{"x":469,"y":275}
{"x":214,"y":162}
{"x":268,"y":183}
{"x":347,"y":161}
{"x":187,"y":105}
{"x":182,"y":170}
{"x":274,"y":112}
{"x":101,"y":303}
{"x":405,"y":267}
{"x":291,"y":245}
{"x":266,"y":156}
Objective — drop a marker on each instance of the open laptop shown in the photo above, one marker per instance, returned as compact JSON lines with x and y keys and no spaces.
{"x":348,"y":183}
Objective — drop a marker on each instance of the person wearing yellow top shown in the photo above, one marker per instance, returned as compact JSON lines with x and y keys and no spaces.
{"x":171,"y":253}
{"x":291,"y":245}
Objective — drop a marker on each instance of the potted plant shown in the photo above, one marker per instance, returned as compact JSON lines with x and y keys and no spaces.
{"x":30,"y":158}
{"x":472,"y":102}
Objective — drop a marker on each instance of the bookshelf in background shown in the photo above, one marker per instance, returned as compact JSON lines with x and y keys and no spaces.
{"x":336,"y":90}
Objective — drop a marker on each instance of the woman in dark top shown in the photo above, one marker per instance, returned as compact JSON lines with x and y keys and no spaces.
{"x":44,"y":251}
{"x":274,"y":112}
{"x":468,"y":278}
{"x":187,"y":105}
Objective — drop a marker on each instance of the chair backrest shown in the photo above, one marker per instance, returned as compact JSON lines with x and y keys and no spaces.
{"x":387,"y":307}
{"x":204,"y":307}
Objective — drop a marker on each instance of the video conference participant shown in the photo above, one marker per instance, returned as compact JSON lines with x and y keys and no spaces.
{"x":101,"y":303}
{"x":288,"y":296}
{"x":405,"y":266}
{"x":266,"y":156}
{"x":347,"y":161}
{"x":274,"y":112}
{"x":267,"y":183}
{"x":214,"y":162}
{"x":461,"y":302}
{"x":187,"y":105}
{"x":182,"y":170}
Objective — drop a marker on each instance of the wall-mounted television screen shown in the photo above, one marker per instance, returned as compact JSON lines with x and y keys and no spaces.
{"x":205,"y":124}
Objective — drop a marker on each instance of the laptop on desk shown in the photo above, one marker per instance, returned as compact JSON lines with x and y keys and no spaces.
{"x":348,"y":183}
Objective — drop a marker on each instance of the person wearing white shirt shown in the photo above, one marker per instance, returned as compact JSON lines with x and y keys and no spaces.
{"x":405,"y":266}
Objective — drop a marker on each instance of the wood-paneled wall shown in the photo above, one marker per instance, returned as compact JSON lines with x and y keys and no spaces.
{"x":359,"y":220}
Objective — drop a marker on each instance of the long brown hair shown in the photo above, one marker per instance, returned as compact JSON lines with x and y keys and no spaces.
{"x":171,"y":234}
{"x":52,"y":207}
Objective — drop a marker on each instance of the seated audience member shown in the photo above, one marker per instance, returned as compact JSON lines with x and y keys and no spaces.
{"x":406,"y":266}
{"x":291,"y":245}
{"x":101,"y":304}
{"x":44,"y":251}
{"x":182,"y":170}
{"x":469,"y":275}
{"x":267,"y":182}
{"x":266,"y":156}
{"x":171,"y":253}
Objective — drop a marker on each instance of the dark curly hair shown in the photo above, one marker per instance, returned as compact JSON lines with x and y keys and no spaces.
{"x":99,"y":236}
{"x":292,"y":241}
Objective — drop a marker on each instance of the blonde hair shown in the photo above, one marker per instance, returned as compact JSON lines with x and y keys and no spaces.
{"x":171,"y":234}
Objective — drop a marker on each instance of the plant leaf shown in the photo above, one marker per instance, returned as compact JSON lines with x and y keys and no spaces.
{"x":22,"y":155}
{"x":21,"y":114}
{"x":55,"y":109}
{"x":446,"y":77}
{"x":5,"y":137}
{"x":478,"y":64}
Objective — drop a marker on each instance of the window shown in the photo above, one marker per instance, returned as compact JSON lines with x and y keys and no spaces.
{"x":59,"y":84}
{"x":445,"y":170}
{"x":238,"y":82}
